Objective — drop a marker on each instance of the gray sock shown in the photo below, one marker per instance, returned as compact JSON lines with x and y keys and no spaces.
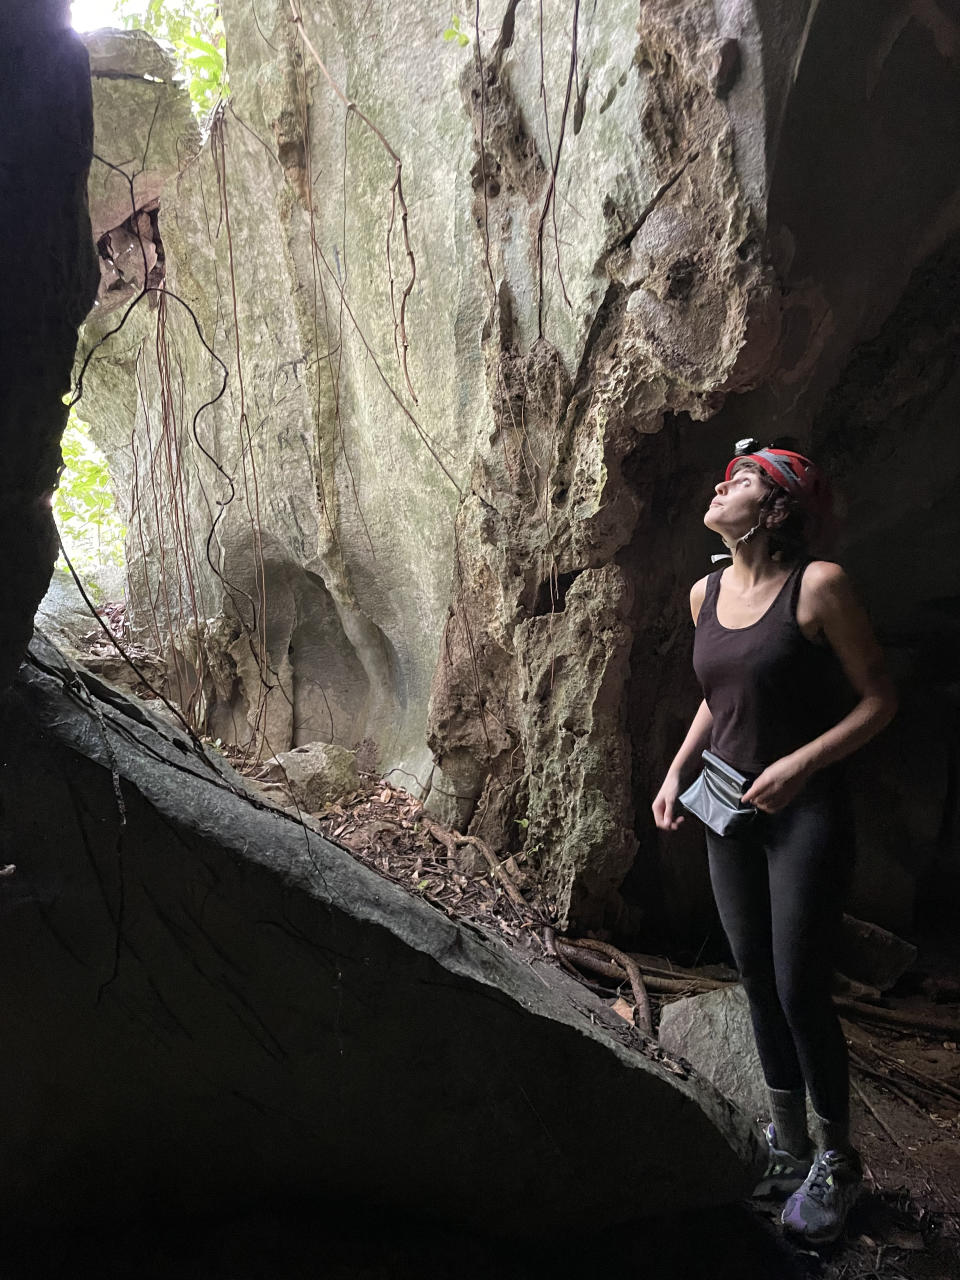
{"x":831,"y":1135}
{"x":788,"y":1111}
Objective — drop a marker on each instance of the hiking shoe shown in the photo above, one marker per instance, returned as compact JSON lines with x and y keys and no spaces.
{"x":784,"y":1172}
{"x":818,"y":1210}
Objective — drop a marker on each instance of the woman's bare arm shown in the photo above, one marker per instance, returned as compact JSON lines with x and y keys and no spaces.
{"x":698,"y":735}
{"x":843,"y":621}
{"x":847,"y":627}
{"x":690,"y":749}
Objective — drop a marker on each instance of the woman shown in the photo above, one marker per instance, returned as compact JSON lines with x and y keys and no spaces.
{"x":793,"y":682}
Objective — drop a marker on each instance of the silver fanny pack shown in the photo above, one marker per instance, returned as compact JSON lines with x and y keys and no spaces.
{"x":716,"y":797}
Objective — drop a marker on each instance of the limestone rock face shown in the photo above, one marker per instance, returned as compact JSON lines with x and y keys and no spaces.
{"x":528,"y":706}
{"x":209,"y":1007}
{"x":62,"y":614}
{"x":144,"y":132}
{"x":417,"y":439}
{"x":317,"y":773}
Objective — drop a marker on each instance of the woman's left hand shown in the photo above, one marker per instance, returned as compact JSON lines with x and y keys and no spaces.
{"x":779,"y":783}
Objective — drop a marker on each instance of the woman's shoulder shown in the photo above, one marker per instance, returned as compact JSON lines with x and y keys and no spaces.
{"x":825,"y":589}
{"x":698,"y":594}
{"x":824,"y":577}
{"x":820,"y":572}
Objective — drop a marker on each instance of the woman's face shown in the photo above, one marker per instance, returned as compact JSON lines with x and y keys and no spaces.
{"x":736,"y":505}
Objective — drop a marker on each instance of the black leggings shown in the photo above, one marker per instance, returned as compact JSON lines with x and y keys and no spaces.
{"x":779,"y":890}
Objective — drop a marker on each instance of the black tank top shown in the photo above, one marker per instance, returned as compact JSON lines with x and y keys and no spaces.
{"x":770,"y":690}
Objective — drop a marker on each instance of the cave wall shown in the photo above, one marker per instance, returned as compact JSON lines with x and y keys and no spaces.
{"x":48,"y":269}
{"x":332,"y":494}
{"x":887,"y":431}
{"x":681,"y":234}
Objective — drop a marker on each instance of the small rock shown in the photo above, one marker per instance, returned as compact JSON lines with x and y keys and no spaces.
{"x":714,"y":1033}
{"x":471,"y":861}
{"x":318,"y":773}
{"x":872,"y":955}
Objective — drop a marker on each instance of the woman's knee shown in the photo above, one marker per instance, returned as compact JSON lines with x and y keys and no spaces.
{"x":807,"y":1002}
{"x":759,"y":983}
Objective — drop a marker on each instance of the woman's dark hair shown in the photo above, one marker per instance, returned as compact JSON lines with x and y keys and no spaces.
{"x":788,"y":532}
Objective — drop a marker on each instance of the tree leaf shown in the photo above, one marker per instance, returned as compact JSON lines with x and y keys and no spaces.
{"x":204,"y":46}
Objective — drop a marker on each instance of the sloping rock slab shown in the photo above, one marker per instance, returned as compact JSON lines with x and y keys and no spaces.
{"x":207,"y":1005}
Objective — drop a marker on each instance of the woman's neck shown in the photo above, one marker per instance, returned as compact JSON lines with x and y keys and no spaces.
{"x":753,"y":564}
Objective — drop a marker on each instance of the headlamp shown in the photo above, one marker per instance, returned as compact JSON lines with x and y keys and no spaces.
{"x":747,"y":445}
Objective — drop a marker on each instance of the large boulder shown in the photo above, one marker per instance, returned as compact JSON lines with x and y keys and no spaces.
{"x":208,"y":1005}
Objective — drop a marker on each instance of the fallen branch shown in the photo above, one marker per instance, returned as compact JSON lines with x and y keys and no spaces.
{"x":677,"y":979}
{"x":877,"y":1116}
{"x":451,"y":839}
{"x":442,"y":837}
{"x":630,"y":970}
{"x":919,"y":1079}
{"x":549,"y":941}
{"x":496,"y":866}
{"x":669,"y":986}
{"x":679,"y":986}
{"x":872,"y":1073}
{"x":941,"y":1028}
{"x":605,"y":968}
{"x":666,"y":967}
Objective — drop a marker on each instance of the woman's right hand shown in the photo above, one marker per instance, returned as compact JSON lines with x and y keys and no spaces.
{"x":665,"y":804}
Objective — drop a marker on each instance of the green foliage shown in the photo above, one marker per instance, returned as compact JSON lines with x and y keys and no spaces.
{"x":456,"y":32}
{"x":83,"y":505}
{"x":195,"y":30}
